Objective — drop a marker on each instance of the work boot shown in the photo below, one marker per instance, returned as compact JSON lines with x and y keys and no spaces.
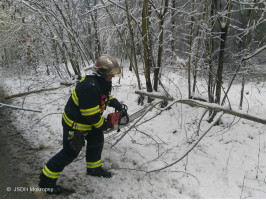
{"x":49,"y":186}
{"x":100,"y":172}
{"x":52,"y":190}
{"x":56,"y":189}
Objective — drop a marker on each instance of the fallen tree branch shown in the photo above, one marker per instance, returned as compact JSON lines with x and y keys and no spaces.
{"x":47,"y":116}
{"x":191,"y":148}
{"x":210,"y":106}
{"x":188,"y":174}
{"x":156,"y":95}
{"x":16,"y":107}
{"x":134,"y":124}
{"x":67,"y":83}
{"x":31,"y":92}
{"x":218,"y":108}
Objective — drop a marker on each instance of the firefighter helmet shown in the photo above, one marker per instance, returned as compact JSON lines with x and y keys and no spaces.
{"x":106,"y":64}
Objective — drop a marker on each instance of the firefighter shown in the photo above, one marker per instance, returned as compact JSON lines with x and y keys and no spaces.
{"x":82,"y":120}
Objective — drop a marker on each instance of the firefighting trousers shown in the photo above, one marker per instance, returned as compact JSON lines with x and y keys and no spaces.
{"x":53,"y":168}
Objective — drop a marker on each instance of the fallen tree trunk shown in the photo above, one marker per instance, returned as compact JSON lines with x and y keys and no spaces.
{"x":16,"y":107}
{"x":30,"y":92}
{"x":210,"y":106}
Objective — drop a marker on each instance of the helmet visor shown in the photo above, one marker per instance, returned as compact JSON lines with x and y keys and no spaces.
{"x":115,"y":71}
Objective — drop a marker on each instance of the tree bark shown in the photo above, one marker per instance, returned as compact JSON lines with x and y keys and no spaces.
{"x":219,"y":74}
{"x":190,"y":50}
{"x":94,"y":17}
{"x":244,"y":63}
{"x":224,"y":31}
{"x":134,"y":64}
{"x":160,"y":48}
{"x":147,"y":60}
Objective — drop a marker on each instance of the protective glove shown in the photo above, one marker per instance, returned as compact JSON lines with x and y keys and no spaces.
{"x":76,"y":140}
{"x":116,"y":104}
{"x":106,"y":125}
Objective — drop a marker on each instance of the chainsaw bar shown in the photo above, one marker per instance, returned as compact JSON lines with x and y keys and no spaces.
{"x":131,"y":119}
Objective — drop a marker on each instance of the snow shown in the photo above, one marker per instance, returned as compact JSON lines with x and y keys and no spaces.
{"x":224,"y":164}
{"x":255,"y":53}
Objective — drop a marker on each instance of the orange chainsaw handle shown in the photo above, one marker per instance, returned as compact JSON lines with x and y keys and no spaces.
{"x":113,"y":118}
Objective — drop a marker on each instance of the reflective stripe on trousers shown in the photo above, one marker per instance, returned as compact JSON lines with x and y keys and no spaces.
{"x":47,"y":172}
{"x":92,"y":165}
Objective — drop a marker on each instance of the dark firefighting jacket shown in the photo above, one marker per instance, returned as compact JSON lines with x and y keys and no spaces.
{"x":87,"y":103}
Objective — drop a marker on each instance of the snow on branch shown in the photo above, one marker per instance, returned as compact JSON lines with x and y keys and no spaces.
{"x":218,"y":108}
{"x":210,"y":106}
{"x":16,"y":107}
{"x":255,"y":53}
{"x":31,"y":92}
{"x":156,"y":95}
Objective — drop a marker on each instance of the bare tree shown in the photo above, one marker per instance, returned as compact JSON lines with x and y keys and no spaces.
{"x":161,"y":16}
{"x":247,"y":44}
{"x":146,"y":54}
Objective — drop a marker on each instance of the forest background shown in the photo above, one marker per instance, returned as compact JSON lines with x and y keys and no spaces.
{"x":211,"y":45}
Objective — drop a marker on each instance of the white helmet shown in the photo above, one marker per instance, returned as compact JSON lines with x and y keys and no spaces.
{"x":106,"y":64}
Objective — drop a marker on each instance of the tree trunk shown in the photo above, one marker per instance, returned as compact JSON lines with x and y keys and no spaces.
{"x":224,"y":31}
{"x":190,"y":50}
{"x":219,"y":74}
{"x":97,"y":45}
{"x":147,"y":60}
{"x":248,"y":40}
{"x":198,"y":52}
{"x":210,"y":49}
{"x":173,"y":26}
{"x":134,"y":64}
{"x":160,"y":48}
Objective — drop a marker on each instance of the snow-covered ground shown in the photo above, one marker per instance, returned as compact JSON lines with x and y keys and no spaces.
{"x":229,"y":162}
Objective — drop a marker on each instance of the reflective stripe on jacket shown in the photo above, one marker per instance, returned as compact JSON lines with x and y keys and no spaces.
{"x":87,"y":102}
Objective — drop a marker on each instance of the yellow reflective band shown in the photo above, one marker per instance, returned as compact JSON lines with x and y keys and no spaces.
{"x":83,"y":78}
{"x":77,"y":126}
{"x":75,"y":97}
{"x":110,"y":97}
{"x":94,"y":164}
{"x":99,"y":123}
{"x":90,"y":111}
{"x":49,"y":173}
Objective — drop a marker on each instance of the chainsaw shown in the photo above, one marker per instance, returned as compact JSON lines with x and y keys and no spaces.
{"x":115,"y":118}
{"x":120,"y":119}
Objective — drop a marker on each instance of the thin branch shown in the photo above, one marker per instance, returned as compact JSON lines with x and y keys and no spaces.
{"x":47,"y":116}
{"x":188,"y":174}
{"x":204,"y":113}
{"x":254,"y":54}
{"x":181,"y":158}
{"x":135,"y":124}
{"x":243,"y":184}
